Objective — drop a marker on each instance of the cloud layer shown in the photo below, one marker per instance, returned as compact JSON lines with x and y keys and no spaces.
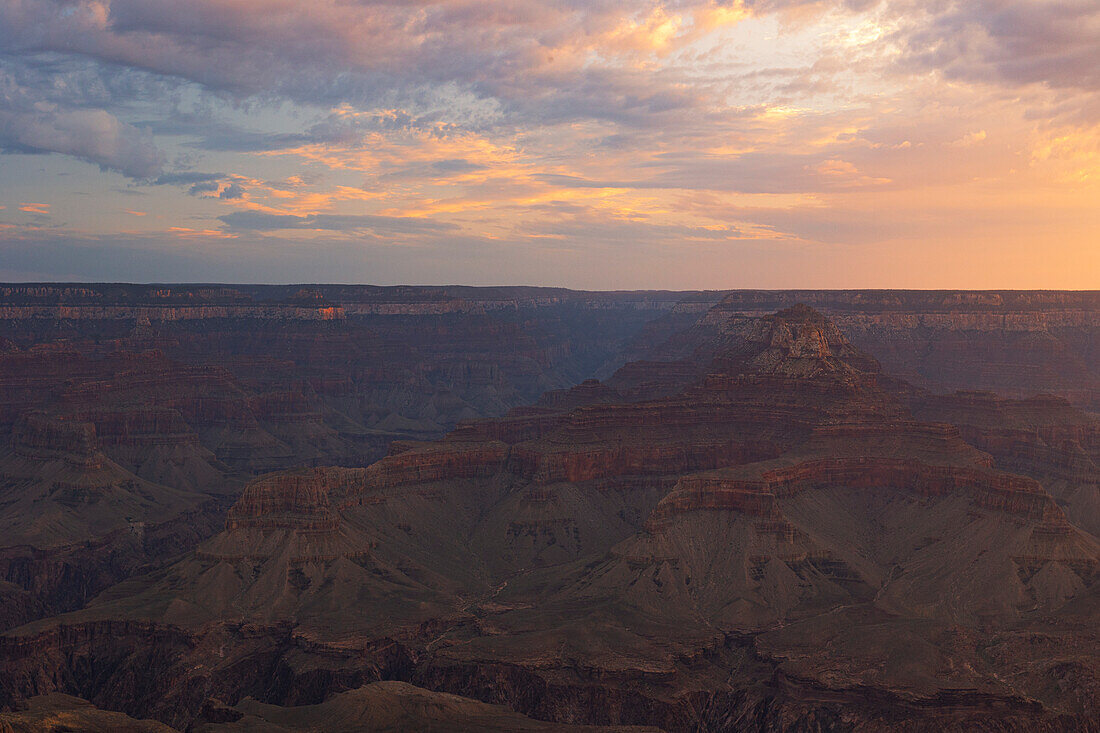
{"x":757,"y":131}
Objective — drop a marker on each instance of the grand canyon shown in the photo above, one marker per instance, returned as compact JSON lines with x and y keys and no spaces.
{"x":707,"y":366}
{"x":335,"y":507}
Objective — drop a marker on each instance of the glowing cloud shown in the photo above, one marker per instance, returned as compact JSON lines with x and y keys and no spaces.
{"x":749,"y":142}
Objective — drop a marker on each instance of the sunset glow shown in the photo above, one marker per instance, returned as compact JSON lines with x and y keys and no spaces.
{"x":681,"y":144}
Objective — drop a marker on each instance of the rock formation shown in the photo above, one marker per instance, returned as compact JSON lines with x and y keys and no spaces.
{"x":755,"y":527}
{"x":1017,"y":343}
{"x":132,"y":416}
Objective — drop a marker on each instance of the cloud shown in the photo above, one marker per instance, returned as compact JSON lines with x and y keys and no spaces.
{"x":457,"y":165}
{"x":459,"y":57}
{"x":203,"y":184}
{"x":188,"y":178}
{"x":189,"y":233}
{"x":970,"y":138}
{"x":257,"y":221}
{"x":203,"y":187}
{"x":674,"y":124}
{"x":95,"y":136}
{"x":454,"y":66}
{"x":763,"y":172}
{"x":1012,"y":42}
{"x":59,"y":105}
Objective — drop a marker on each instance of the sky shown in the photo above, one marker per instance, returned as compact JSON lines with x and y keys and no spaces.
{"x":601,"y":144}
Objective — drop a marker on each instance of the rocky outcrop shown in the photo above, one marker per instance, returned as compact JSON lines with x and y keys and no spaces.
{"x":56,"y":713}
{"x":579,"y":463}
{"x":300,"y":500}
{"x":74,"y":521}
{"x":760,"y":525}
{"x":296,"y":507}
{"x":47,"y":581}
{"x":432,"y":463}
{"x":138,"y":426}
{"x":118,"y":402}
{"x":1044,"y":437}
{"x":38,"y":437}
{"x":994,"y":490}
{"x":273,"y":377}
{"x":149,"y":314}
{"x":1017,"y":343}
{"x":390,"y":706}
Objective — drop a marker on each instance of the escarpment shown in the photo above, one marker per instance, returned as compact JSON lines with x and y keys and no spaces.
{"x":287,"y":515}
{"x":994,"y":490}
{"x":38,"y":437}
{"x":1044,"y":437}
{"x":295,"y":496}
{"x":268,"y":383}
{"x":1018,"y":343}
{"x":127,"y":410}
{"x":757,"y":524}
{"x":74,"y":521}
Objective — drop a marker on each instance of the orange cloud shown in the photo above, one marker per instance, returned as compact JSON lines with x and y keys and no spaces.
{"x":846,"y":173}
{"x":187,"y":232}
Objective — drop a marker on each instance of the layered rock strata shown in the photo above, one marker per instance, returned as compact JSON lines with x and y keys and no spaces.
{"x":665,"y":550}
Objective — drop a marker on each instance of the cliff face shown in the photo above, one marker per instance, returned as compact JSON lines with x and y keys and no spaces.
{"x":126,"y":407}
{"x":39,"y":438}
{"x":755,"y":521}
{"x":668,"y":547}
{"x":1017,"y":343}
{"x":1044,"y":437}
{"x":325,"y":374}
{"x":73,"y":521}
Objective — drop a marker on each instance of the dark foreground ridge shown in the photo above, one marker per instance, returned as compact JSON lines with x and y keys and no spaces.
{"x":754,"y":523}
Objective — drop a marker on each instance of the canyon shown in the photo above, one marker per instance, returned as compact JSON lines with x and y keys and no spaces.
{"x":275,"y":507}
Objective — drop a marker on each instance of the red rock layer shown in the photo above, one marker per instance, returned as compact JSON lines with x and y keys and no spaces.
{"x":989,"y":489}
{"x":436,"y":464}
{"x":1018,"y":343}
{"x":1043,"y":436}
{"x":42,"y":437}
{"x":635,"y":459}
{"x":299,"y":500}
{"x":520,"y":425}
{"x":150,"y":313}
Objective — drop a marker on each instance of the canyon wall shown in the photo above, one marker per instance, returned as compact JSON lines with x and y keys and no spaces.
{"x":221,"y":505}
